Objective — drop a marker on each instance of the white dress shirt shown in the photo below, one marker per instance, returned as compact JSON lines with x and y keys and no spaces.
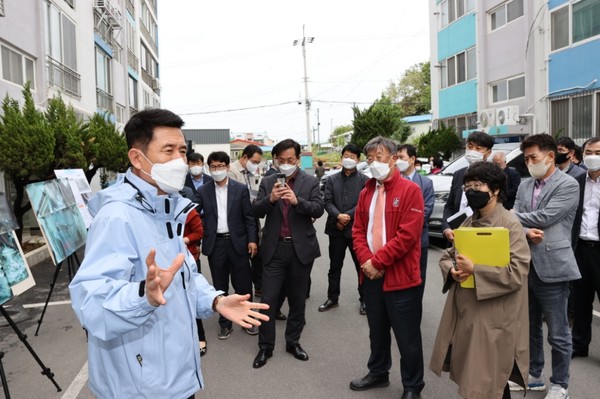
{"x":591,"y":208}
{"x":221,"y":197}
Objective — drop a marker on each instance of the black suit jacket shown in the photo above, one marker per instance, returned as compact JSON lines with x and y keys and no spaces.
{"x":300,"y":217}
{"x":454,"y":196}
{"x":342,"y":199}
{"x":513,"y":179}
{"x":240,"y":219}
{"x":189,"y":183}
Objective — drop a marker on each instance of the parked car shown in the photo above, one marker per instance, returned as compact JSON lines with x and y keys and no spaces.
{"x":443,"y":181}
{"x":361,"y":167}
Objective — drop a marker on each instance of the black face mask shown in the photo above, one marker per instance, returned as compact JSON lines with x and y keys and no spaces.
{"x":561,"y":158}
{"x":477,"y":199}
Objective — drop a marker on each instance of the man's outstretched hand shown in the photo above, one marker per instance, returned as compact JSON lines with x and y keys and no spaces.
{"x":158,"y":280}
{"x":237,"y":309}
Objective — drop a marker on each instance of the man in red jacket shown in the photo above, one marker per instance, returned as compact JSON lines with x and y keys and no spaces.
{"x":387,"y":241}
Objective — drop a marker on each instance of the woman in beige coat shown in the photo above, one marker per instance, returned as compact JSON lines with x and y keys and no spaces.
{"x":483,"y":337}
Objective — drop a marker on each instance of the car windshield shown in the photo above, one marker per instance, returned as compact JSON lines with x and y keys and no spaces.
{"x":461,"y":162}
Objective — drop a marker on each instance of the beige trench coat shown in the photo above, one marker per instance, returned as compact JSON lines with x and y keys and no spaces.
{"x":483,"y":337}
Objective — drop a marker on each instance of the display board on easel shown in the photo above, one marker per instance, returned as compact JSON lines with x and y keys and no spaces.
{"x":58,"y":216}
{"x":81,"y":190}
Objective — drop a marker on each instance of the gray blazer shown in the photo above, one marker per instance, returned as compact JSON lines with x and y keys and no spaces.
{"x":553,"y":258}
{"x":300,"y":217}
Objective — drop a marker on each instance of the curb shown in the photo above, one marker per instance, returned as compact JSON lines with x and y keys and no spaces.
{"x":37,"y":256}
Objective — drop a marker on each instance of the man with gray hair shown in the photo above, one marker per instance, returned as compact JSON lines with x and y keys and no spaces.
{"x":513,"y":179}
{"x":387,"y":240}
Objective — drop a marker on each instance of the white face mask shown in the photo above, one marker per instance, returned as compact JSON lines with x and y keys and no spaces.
{"x":169,"y":176}
{"x":287,"y":169}
{"x":538,"y":170}
{"x":473,"y":156}
{"x":348,"y":163}
{"x":251,"y":167}
{"x":592,"y":162}
{"x":402,"y":165}
{"x":379,"y":170}
{"x":219,"y":175}
{"x":196,"y":170}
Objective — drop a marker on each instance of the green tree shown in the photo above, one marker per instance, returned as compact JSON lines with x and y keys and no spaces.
{"x":338,"y":139}
{"x":67,"y":131}
{"x":27,"y":143}
{"x":412,"y":93}
{"x":382,"y":118}
{"x":103,"y":146}
{"x":442,"y":141}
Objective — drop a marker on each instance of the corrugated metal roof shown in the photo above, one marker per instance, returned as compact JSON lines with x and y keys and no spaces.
{"x":207,"y":136}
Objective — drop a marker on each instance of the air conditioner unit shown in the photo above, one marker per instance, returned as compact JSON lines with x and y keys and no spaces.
{"x":508,"y":115}
{"x":155,"y":84}
{"x":487,"y":118}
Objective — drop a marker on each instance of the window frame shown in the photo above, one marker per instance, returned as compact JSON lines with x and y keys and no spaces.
{"x":449,"y":63}
{"x":24,"y":70}
{"x":594,"y":118}
{"x":464,"y":6}
{"x":570,"y":17}
{"x":505,"y":8}
{"x":506,"y":83}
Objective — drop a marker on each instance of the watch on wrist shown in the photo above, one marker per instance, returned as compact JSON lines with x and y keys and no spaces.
{"x":215,"y":302}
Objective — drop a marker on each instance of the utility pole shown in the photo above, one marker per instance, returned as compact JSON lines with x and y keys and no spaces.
{"x":305,"y":40}
{"x":318,"y":131}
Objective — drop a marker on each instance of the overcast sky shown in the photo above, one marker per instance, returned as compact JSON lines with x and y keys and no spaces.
{"x":217,"y":57}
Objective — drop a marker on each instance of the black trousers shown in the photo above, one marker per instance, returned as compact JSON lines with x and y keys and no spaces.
{"x":337,"y":253}
{"x":423,"y":266}
{"x":223,"y":262}
{"x":583,"y":293}
{"x":400,"y":311}
{"x":284,"y":271}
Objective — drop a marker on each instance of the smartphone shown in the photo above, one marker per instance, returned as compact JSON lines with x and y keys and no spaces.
{"x":281,"y":179}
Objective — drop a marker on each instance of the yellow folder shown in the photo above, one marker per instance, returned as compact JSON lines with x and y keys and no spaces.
{"x":488,"y":246}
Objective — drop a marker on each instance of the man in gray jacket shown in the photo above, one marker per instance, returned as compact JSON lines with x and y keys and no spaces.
{"x":546,"y":205}
{"x":341,"y":196}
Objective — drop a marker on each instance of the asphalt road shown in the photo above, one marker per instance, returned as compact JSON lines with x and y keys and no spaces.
{"x":336,"y":341}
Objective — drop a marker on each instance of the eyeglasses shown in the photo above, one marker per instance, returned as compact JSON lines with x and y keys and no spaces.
{"x":217,"y":167}
{"x":475,"y":186}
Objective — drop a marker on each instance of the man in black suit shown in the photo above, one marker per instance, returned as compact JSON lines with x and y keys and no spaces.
{"x":289,"y":246}
{"x":196,"y":178}
{"x":341,"y":196}
{"x":513,"y":179}
{"x":479,"y":148}
{"x":230,"y":233}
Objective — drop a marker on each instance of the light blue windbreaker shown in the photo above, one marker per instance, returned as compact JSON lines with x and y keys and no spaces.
{"x":136,"y":350}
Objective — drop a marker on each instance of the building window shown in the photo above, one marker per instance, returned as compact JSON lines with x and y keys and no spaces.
{"x":451,"y":10}
{"x":71,"y":3}
{"x":16,"y":67}
{"x":62,"y":52}
{"x":1,"y":8}
{"x":133,"y":93}
{"x":586,"y":19}
{"x":559,"y":21}
{"x":103,"y":72}
{"x":506,"y":13}
{"x":458,"y":68}
{"x":120,"y":114}
{"x":508,"y":89}
{"x":574,"y":116}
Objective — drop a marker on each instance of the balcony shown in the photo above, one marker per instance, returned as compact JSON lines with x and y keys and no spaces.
{"x":108,"y":13}
{"x":133,"y":61}
{"x":147,"y":78}
{"x":63,"y":77}
{"x":148,"y":37}
{"x":104,"y":101}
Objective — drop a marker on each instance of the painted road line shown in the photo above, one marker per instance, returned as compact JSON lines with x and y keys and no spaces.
{"x":78,"y":383}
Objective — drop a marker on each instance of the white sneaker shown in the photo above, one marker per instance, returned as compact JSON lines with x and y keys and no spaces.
{"x":557,"y":392}
{"x":534,"y":384}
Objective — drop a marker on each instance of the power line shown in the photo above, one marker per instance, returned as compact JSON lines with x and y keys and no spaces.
{"x":239,"y":109}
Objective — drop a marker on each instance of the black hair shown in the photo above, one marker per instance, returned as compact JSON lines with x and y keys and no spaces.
{"x":417,"y":162}
{"x":438,"y":162}
{"x":251,"y":149}
{"x":139,"y":130}
{"x":593,"y":140}
{"x":411,"y":151}
{"x":195,"y":157}
{"x":353,"y":148}
{"x":543,"y":141}
{"x":286,"y":145}
{"x":320,"y":163}
{"x":481,"y":139}
{"x":566,"y":142}
{"x":490,"y":174}
{"x":218,"y":156}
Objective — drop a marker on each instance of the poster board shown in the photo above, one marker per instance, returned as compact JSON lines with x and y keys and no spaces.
{"x":15,"y":275}
{"x":58,"y":216}
{"x":81,"y":190}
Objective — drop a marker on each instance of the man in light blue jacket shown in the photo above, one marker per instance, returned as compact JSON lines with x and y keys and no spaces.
{"x":138,"y":292}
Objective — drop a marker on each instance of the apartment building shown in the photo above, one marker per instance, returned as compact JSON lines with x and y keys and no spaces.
{"x":516,"y":67}
{"x":100,"y":55}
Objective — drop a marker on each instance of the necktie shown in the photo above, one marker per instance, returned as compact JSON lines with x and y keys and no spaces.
{"x":539,"y":184}
{"x":378,"y":219}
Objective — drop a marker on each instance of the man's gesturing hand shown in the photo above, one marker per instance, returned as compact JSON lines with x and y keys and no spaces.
{"x":158,"y":280}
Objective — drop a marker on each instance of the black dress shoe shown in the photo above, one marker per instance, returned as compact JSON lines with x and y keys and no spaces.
{"x":411,"y":395}
{"x":261,"y":359}
{"x":329,"y":304}
{"x":369,"y":381}
{"x":280,"y":316}
{"x":579,"y":353}
{"x":297,"y":351}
